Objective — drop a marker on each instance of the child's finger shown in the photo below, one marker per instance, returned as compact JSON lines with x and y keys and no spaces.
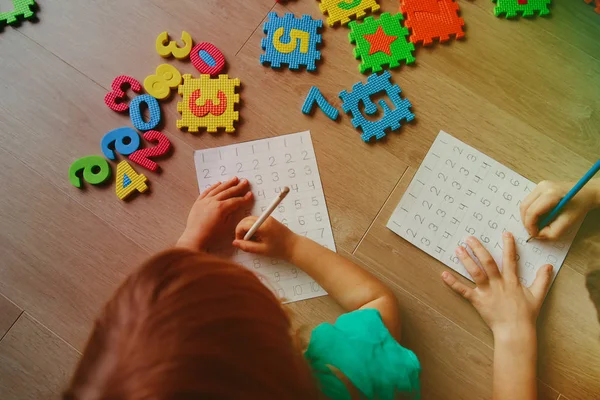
{"x":509,"y":257}
{"x":238,"y":190}
{"x":210,"y":189}
{"x":558,"y":227}
{"x":224,"y":186}
{"x":234,"y":203}
{"x":530,"y":198}
{"x":244,"y":226}
{"x":249,"y":246}
{"x":542,"y":205}
{"x":457,"y":286}
{"x":540,"y":285}
{"x":484,"y":257}
{"x":471,"y":266}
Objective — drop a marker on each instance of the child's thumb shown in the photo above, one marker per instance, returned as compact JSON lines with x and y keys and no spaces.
{"x":540,"y":285}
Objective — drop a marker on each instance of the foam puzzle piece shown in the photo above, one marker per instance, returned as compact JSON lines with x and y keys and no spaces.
{"x":126,"y":141}
{"x":118,"y":94}
{"x":597,"y":9}
{"x":391,"y":118}
{"x":207,"y":59}
{"x":527,"y":8}
{"x":172,"y":49}
{"x":292,"y":41}
{"x":166,"y":78}
{"x":128,"y":181}
{"x":432,"y":19}
{"x":315,"y":96}
{"x":380,"y":42}
{"x":208,"y":103}
{"x":343,"y":10}
{"x":21,"y":9}
{"x":142,"y":156}
{"x":95,"y":170}
{"x":135,"y":112}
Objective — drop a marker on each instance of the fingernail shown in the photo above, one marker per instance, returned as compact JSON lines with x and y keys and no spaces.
{"x":234,"y":178}
{"x":550,"y":268}
{"x":445,"y":274}
{"x":470,"y":239}
{"x":507,"y":235}
{"x":459,"y":250}
{"x":244,"y":180}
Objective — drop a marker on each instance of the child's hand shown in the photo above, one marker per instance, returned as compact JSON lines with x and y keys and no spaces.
{"x":272,"y":239}
{"x":508,"y":308}
{"x":546,"y":196}
{"x":211,"y":210}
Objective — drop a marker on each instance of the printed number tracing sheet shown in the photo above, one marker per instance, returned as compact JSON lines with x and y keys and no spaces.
{"x":458,"y":192}
{"x":269,"y":165}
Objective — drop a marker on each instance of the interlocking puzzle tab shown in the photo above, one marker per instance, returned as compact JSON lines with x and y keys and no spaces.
{"x":315,"y":96}
{"x":292,"y":41}
{"x":597,"y":9}
{"x":363,"y":92}
{"x":343,"y":10}
{"x":208,"y":103}
{"x":380,"y":42}
{"x":21,"y":9}
{"x":527,"y":8}
{"x":432,"y":19}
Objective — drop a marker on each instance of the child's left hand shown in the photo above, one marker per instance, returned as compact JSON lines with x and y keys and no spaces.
{"x":211,"y":210}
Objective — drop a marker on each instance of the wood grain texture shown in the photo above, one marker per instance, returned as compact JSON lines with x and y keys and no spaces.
{"x":34,"y":363}
{"x":9,"y":313}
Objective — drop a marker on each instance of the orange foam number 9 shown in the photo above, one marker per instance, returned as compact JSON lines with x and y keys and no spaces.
{"x":287,"y":48}
{"x":159,"y":86}
{"x":172,"y":49}
{"x":95,"y":170}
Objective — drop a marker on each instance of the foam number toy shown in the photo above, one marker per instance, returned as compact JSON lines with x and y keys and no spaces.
{"x":207,"y":59}
{"x":135,"y":112}
{"x":208,"y":103}
{"x":118,"y":94}
{"x":125,"y":139}
{"x":292,"y":41}
{"x":342,"y":10}
{"x":95,"y":170}
{"x":315,"y":96}
{"x":362,"y":92}
{"x":141,"y":157}
{"x":160,"y":85}
{"x":172,"y":49}
{"x":432,"y":19}
{"x":21,"y":9}
{"x":527,"y":8}
{"x":128,"y":181}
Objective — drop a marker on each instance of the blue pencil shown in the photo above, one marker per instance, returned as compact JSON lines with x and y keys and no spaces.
{"x":550,"y":217}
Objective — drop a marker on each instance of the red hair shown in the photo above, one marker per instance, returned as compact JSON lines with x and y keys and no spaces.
{"x":188,"y":325}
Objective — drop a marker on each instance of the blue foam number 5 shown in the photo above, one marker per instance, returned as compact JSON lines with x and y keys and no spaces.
{"x":135,"y":112}
{"x":126,"y":141}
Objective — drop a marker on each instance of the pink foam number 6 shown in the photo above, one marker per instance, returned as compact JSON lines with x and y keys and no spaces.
{"x":207,"y":58}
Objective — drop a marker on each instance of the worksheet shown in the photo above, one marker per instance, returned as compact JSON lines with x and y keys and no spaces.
{"x":458,"y":192}
{"x":269,"y":165}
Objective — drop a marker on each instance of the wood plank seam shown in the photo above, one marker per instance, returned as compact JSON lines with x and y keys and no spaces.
{"x":13,"y":324}
{"x":254,"y":30}
{"x":25,"y":313}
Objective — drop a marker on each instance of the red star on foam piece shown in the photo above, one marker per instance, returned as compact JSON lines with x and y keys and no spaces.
{"x":379,"y":41}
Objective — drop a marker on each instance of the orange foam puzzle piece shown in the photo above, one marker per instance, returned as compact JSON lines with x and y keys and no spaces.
{"x":432,"y":19}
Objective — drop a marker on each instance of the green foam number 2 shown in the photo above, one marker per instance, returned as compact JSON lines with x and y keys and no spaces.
{"x":344,"y":5}
{"x":95,"y":170}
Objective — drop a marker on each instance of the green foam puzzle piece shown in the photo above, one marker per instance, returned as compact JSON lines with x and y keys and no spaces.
{"x":527,"y":8}
{"x":21,"y":8}
{"x":379,"y":34}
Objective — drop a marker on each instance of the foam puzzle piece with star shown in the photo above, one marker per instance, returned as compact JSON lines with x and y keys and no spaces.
{"x":432,"y":19}
{"x":362,"y":92}
{"x":597,"y":9}
{"x":527,"y":8}
{"x":208,"y":103}
{"x":380,"y":42}
{"x":343,"y":10}
{"x":292,"y":41}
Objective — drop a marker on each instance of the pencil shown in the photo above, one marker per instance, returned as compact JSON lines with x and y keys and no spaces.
{"x":550,"y":217}
{"x":267,"y":212}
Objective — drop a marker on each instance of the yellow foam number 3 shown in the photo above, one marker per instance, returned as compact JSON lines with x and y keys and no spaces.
{"x":172,"y":49}
{"x":286,"y":48}
{"x":159,"y":86}
{"x":129,"y":181}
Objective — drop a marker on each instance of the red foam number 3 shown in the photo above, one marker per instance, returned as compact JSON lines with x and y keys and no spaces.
{"x":141,"y":157}
{"x":209,"y":107}
{"x":118,"y":94}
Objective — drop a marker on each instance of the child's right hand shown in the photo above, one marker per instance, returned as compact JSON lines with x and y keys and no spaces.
{"x":546,"y":196}
{"x":272,"y":239}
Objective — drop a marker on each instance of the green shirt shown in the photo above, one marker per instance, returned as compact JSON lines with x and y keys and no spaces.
{"x":361,"y":347}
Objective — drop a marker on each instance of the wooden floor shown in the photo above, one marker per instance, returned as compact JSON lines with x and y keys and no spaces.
{"x":524,"y":92}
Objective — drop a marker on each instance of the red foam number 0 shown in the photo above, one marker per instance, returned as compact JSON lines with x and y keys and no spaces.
{"x":141,"y":157}
{"x":207,"y":58}
{"x":118,"y":94}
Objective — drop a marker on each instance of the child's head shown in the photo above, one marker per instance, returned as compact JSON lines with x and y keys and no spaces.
{"x":593,"y":278}
{"x":190,"y":326}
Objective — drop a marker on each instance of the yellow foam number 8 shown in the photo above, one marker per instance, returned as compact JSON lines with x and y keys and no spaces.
{"x":287,"y":48}
{"x":95,"y":170}
{"x":172,"y":49}
{"x":159,"y":86}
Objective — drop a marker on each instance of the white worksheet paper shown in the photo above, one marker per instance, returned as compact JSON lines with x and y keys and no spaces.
{"x":458,"y":192}
{"x":269,"y":165}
